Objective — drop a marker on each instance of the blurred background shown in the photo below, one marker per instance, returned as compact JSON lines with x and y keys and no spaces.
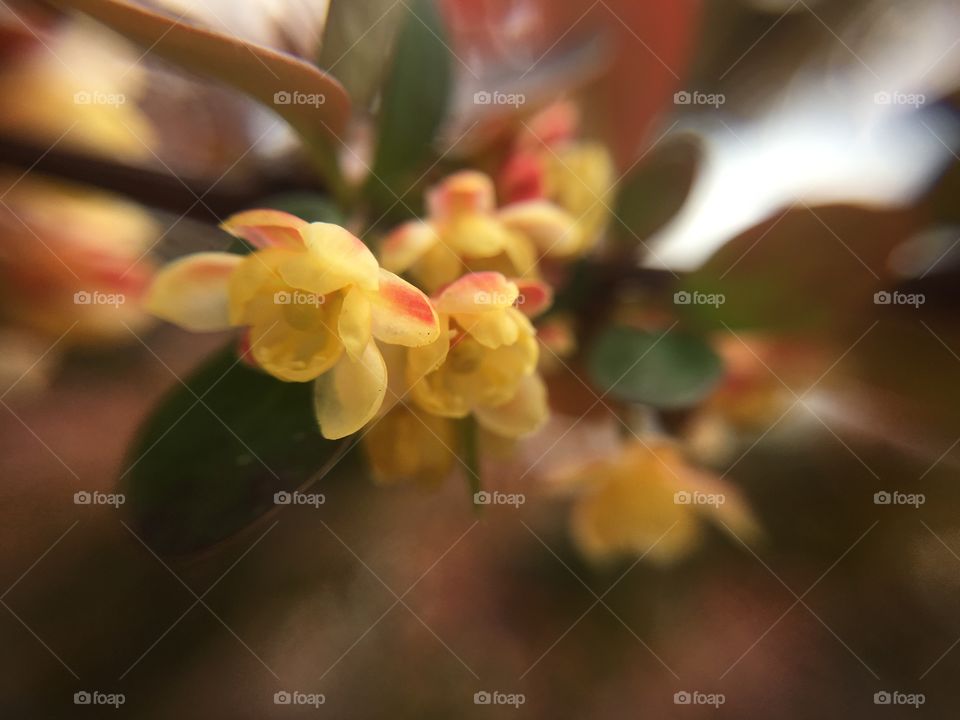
{"x":801,"y":158}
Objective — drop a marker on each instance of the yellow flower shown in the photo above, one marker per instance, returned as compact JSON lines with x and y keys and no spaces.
{"x":648,"y":501}
{"x":79,"y":87}
{"x":548,"y":164}
{"x":466,"y":233}
{"x":409,"y":445}
{"x":73,"y":262}
{"x":313,"y":298}
{"x":485,"y":360}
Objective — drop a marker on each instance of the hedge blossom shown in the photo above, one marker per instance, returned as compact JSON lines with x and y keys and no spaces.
{"x":549,"y":164}
{"x":485,"y":360}
{"x":648,"y":501}
{"x":314,"y":299}
{"x":483,"y":364}
{"x":465,"y":232}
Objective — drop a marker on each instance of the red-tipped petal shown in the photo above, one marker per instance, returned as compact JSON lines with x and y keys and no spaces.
{"x":266,"y":228}
{"x":402,"y":314}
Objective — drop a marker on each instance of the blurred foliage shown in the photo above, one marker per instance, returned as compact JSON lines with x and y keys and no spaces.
{"x":215,"y":451}
{"x":411,"y":109}
{"x":357,"y":43}
{"x":669,"y":369}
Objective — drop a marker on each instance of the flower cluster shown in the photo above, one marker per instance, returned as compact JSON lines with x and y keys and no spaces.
{"x":317,"y":305}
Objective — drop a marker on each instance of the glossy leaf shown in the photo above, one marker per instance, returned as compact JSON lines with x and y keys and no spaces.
{"x":203,"y":470}
{"x":357,"y":43}
{"x":671,"y":370}
{"x":656,"y":189}
{"x":809,"y":268}
{"x":414,"y":102}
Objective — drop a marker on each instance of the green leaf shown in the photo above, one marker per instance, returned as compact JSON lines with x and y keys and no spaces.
{"x":308,"y":206}
{"x":657,"y":189}
{"x":357,"y":43}
{"x":414,"y":102}
{"x":666,"y":370}
{"x":805,"y":269}
{"x":202,"y":470}
{"x":262,"y":73}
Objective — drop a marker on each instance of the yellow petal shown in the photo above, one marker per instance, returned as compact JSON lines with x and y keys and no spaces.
{"x":522,"y":254}
{"x":475,"y":236}
{"x":292,"y":354}
{"x":523,"y":414}
{"x":409,"y":446}
{"x":439,"y":266}
{"x":402,"y":314}
{"x":406,"y":245}
{"x":254,"y":282}
{"x":581,"y":181}
{"x":424,"y":360}
{"x":490,"y":329}
{"x":553,"y":230}
{"x":266,"y":228}
{"x":632,"y":511}
{"x":192,"y":292}
{"x":354,"y":324}
{"x":348,"y":397}
{"x":477,"y":293}
{"x":465,"y":192}
{"x":334,"y":259}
